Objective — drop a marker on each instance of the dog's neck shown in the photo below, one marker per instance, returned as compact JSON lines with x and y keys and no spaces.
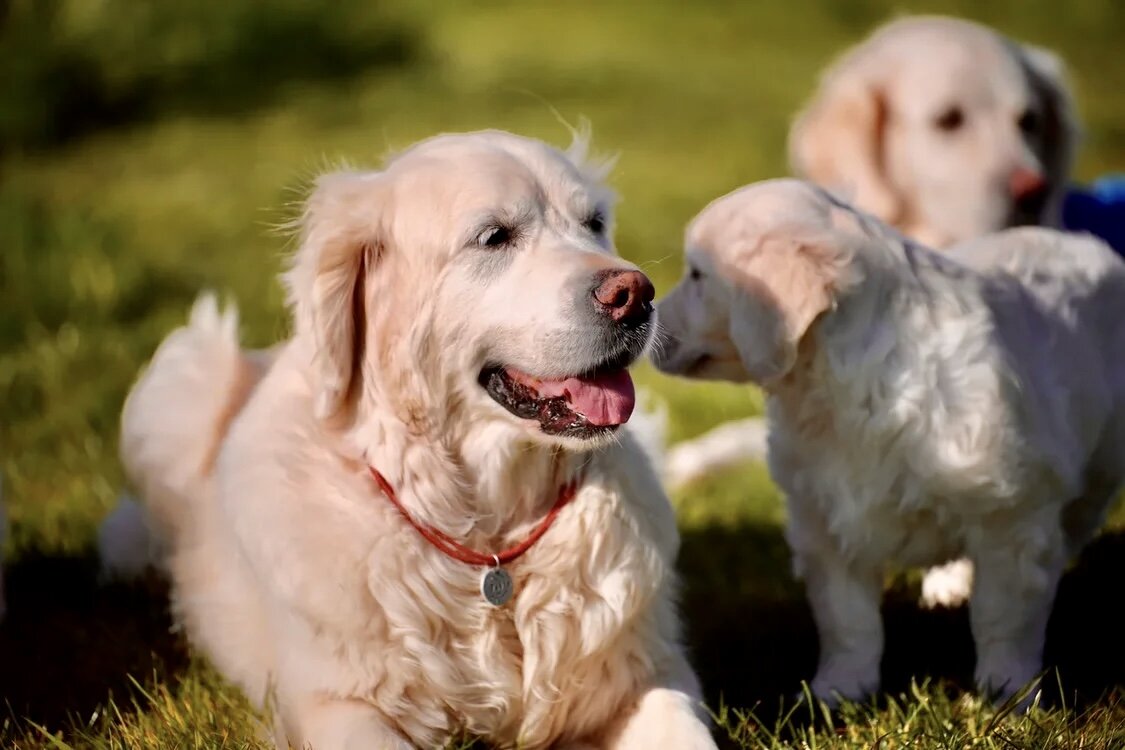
{"x":483,"y":485}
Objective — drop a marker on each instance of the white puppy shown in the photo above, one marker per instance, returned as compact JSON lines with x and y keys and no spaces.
{"x":335,"y":510}
{"x":942,"y":128}
{"x":922,"y":407}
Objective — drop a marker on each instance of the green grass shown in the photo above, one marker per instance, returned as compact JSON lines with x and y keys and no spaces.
{"x":146,"y":150}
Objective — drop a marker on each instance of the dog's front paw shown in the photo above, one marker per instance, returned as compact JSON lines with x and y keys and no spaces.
{"x":663,"y":718}
{"x":947,"y":585}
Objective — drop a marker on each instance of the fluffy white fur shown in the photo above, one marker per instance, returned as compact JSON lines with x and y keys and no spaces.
{"x":305,"y":586}
{"x":922,"y":406}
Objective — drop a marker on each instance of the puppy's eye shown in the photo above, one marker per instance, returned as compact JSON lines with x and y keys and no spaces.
{"x":1028,"y":122}
{"x":595,"y":223}
{"x":695,"y":274}
{"x":950,"y":120}
{"x":495,"y":237}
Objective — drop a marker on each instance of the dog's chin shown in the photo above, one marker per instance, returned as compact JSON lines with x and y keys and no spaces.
{"x":577,"y":411}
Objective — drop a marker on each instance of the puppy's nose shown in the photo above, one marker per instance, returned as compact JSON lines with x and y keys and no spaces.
{"x":625,"y":296}
{"x":1024,"y":183}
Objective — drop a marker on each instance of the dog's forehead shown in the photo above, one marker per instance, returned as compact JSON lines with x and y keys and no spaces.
{"x":491,"y":166}
{"x":453,"y":184}
{"x":944,"y":64}
{"x":739,"y":218}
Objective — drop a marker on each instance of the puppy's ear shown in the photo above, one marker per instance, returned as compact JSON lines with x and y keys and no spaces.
{"x":837,"y":141}
{"x":1061,"y":131}
{"x":780,"y":288}
{"x":342,"y":238}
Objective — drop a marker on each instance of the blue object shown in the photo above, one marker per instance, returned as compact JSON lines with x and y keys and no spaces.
{"x":1099,"y":210}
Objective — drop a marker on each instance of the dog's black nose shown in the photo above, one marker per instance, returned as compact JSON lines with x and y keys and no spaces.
{"x":625,"y":296}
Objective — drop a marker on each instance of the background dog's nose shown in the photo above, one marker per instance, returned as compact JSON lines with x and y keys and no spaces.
{"x":625,"y":296}
{"x":1024,"y":183}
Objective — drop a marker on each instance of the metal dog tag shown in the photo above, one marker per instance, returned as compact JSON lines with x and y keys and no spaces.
{"x":496,"y":586}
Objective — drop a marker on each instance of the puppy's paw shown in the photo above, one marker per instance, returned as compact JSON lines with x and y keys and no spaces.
{"x":947,"y":585}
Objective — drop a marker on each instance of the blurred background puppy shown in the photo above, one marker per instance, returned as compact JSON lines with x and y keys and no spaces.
{"x":942,"y":128}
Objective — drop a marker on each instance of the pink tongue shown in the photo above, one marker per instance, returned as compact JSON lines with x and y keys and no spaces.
{"x":603,"y":399}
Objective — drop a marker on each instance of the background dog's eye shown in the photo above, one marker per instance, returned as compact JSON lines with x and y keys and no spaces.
{"x":495,"y":237}
{"x":595,"y":224}
{"x":695,"y":274}
{"x":950,"y":120}
{"x":1028,"y":121}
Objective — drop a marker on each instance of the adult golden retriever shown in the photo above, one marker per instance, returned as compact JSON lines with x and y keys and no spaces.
{"x":455,"y":387}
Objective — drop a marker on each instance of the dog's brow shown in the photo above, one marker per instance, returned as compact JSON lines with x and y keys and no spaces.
{"x":584,"y":205}
{"x":516,"y":219}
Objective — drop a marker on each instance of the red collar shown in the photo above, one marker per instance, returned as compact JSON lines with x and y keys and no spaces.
{"x":451,"y":547}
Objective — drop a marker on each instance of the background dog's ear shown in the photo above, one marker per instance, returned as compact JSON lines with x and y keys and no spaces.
{"x":781,"y":287}
{"x":1061,"y":131}
{"x":837,"y":141}
{"x":341,"y":238}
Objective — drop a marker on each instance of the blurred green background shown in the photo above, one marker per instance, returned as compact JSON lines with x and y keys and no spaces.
{"x":149,"y":149}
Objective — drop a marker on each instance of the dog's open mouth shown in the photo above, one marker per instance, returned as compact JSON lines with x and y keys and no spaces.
{"x":581,"y":406}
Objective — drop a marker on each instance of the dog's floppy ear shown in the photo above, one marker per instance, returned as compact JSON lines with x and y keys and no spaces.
{"x":1061,"y":131}
{"x":837,"y":141}
{"x":341,"y":239}
{"x":780,"y":288}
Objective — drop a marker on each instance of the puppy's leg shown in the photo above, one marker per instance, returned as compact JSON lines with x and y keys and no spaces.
{"x":844,"y":596}
{"x":340,"y":724}
{"x":671,"y":715}
{"x":948,"y":585}
{"x":1011,"y":602}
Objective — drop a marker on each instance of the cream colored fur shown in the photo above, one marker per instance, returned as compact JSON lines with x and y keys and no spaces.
{"x":934,"y":406}
{"x":303,"y":584}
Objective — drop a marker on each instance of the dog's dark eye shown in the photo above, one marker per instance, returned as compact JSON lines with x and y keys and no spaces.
{"x":950,"y":120}
{"x":596,"y":223}
{"x":1028,"y":121}
{"x":495,"y":237}
{"x":695,"y":274}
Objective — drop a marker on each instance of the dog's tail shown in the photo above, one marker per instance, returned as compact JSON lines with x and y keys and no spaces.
{"x":173,"y":423}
